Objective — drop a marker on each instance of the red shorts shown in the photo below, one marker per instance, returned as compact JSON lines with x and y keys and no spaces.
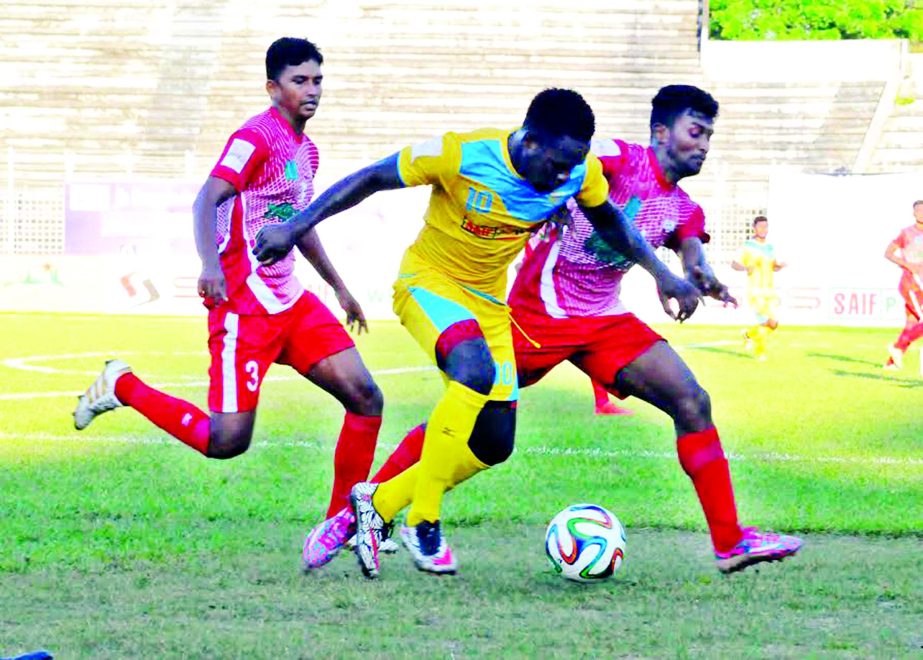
{"x":243,"y":346}
{"x":600,"y":346}
{"x":913,"y":297}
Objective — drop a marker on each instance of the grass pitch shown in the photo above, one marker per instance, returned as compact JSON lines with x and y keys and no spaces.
{"x":120,"y":542}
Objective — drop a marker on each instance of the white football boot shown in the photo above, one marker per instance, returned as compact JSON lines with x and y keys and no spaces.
{"x":100,"y":396}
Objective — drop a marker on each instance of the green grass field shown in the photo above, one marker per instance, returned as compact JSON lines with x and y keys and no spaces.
{"x":120,"y":542}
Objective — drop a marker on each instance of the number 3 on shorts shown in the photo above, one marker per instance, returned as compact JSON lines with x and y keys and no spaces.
{"x":253,"y":370}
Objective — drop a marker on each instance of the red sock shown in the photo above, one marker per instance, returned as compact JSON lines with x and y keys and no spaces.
{"x":908,"y":336}
{"x":703,"y":459}
{"x":406,"y":454}
{"x":353,"y":457}
{"x":179,"y":418}
{"x":600,"y":394}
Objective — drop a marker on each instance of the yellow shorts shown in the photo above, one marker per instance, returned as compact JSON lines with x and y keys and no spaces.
{"x":439,"y":312}
{"x":764,"y":307}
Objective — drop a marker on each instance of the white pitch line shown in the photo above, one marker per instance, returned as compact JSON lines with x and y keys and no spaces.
{"x":22,"y":363}
{"x":543,"y":451}
{"x":18,"y":396}
{"x":25,"y":364}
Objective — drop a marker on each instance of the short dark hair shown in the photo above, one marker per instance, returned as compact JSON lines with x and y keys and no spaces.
{"x":289,"y":51}
{"x":561,"y":112}
{"x":760,"y":218}
{"x":673,"y":100}
{"x":918,"y":203}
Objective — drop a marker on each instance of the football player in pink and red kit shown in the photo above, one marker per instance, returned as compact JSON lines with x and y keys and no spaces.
{"x":260,"y":315}
{"x":910,"y":244}
{"x":566,"y":302}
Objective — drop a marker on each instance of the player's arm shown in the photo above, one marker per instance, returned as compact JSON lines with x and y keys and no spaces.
{"x":275,"y":241}
{"x":310,"y":246}
{"x":742,"y":263}
{"x":891,"y":255}
{"x":617,"y":230}
{"x":213,"y":193}
{"x":699,"y":271}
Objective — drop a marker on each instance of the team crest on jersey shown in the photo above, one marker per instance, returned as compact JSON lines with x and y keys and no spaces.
{"x":291,"y":170}
{"x":633,"y":207}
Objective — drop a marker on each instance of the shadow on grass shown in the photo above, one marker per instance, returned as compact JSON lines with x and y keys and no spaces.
{"x":900,"y":382}
{"x":842,"y":358}
{"x":722,"y":351}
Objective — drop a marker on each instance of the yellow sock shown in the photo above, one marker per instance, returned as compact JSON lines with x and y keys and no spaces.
{"x":446,"y":459}
{"x":394,"y":494}
{"x":760,"y":340}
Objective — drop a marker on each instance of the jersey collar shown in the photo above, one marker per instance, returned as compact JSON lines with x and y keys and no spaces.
{"x":279,"y":117}
{"x":658,"y":171}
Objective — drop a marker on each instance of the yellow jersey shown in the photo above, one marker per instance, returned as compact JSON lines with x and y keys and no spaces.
{"x":761,"y":257}
{"x":481,"y":211}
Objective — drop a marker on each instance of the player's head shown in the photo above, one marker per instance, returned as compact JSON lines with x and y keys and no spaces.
{"x":918,"y":211}
{"x":293,"y":77}
{"x":761,"y":226}
{"x":682,"y":123}
{"x":557,"y":132}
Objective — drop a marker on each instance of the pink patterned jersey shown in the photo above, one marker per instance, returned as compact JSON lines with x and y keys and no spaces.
{"x":910,"y":241}
{"x":574,"y":272}
{"x":272,"y":170}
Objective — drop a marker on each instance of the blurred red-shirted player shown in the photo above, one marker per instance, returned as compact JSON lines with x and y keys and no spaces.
{"x":910,"y":244}
{"x":261,"y":315}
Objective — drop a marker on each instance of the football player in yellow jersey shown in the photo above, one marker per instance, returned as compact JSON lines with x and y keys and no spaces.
{"x":490,"y":189}
{"x":758,"y":258}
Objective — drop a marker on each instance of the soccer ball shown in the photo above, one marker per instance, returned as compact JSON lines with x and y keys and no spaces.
{"x":585,"y":543}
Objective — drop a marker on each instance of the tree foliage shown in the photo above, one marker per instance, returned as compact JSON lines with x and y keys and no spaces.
{"x":816,"y":19}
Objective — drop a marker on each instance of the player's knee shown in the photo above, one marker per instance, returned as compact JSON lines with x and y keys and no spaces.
{"x":693,"y":409}
{"x":224,"y":445}
{"x":471,"y":364}
{"x":494,"y":432}
{"x":365,"y":398}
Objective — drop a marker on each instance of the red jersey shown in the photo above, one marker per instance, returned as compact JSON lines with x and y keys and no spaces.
{"x":577,"y":274}
{"x":272,"y":170}
{"x":910,"y":241}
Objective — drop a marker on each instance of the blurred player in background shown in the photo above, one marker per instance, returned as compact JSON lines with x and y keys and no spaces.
{"x":490,"y":189}
{"x":758,"y":258}
{"x":910,"y":244}
{"x":259,"y":315}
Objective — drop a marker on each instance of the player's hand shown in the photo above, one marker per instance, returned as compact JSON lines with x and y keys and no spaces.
{"x":559,"y":220}
{"x":687,"y":295}
{"x":705,"y":280}
{"x":273,"y":243}
{"x":212,"y":285}
{"x":355,"y":317}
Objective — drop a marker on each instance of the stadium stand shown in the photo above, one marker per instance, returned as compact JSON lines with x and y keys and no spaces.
{"x":113,"y":89}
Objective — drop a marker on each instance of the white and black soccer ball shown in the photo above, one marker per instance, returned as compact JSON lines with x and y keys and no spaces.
{"x":585,"y":543}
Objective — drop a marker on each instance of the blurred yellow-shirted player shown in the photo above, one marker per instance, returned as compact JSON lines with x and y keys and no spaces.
{"x":758,"y":258}
{"x":490,"y":189}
